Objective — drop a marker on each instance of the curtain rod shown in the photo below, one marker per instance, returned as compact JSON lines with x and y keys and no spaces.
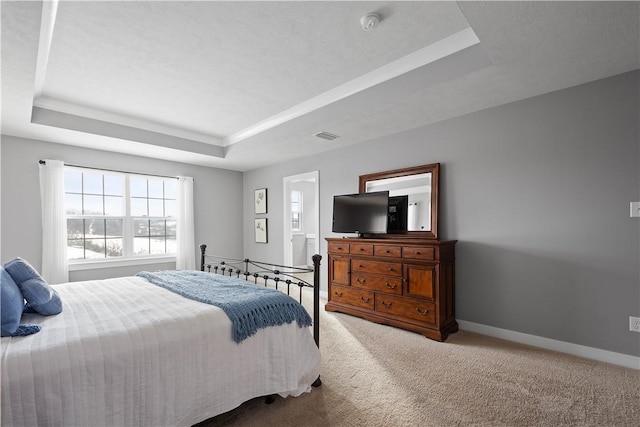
{"x":42,"y":162}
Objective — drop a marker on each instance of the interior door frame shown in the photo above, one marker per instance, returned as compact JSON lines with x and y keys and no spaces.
{"x":313,"y":176}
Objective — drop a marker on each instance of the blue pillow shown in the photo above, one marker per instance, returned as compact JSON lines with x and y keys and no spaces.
{"x":39,"y":295}
{"x":11,"y":305}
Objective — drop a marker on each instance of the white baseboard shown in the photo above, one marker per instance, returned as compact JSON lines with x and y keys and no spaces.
{"x":619,"y":359}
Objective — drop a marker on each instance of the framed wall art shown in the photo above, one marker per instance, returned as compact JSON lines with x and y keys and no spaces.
{"x":260,"y":201}
{"x":260,"y":230}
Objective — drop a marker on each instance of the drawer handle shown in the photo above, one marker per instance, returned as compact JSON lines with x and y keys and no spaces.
{"x":360,"y":265}
{"x":386,"y":304}
{"x":418,"y":253}
{"x":361,"y":281}
{"x":392,"y":286}
{"x":388,"y":251}
{"x":391,"y":269}
{"x":424,"y":313}
{"x":363,"y":299}
{"x":361,"y":249}
{"x":338,"y":294}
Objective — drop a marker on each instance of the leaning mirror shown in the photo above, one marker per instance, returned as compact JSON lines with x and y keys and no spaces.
{"x":413,"y":198}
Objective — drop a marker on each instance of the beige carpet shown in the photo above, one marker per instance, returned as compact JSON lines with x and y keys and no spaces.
{"x":376,"y":375}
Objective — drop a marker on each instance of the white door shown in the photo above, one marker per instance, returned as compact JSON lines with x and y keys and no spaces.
{"x":303,"y":232}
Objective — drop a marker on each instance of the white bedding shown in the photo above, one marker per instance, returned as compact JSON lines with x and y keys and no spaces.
{"x":126,"y":352}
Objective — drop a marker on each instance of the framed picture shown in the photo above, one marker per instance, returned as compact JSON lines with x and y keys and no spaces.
{"x":260,"y":199}
{"x":260,"y":230}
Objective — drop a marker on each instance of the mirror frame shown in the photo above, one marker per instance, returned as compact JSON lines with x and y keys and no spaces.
{"x":434,"y":169}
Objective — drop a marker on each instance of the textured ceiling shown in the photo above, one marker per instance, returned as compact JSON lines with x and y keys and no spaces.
{"x":240,"y":85}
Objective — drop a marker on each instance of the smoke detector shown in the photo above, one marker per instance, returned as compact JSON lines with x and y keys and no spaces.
{"x":369,"y":21}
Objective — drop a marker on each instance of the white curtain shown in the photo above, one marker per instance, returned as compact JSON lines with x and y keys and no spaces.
{"x":54,"y":222}
{"x":185,"y":234}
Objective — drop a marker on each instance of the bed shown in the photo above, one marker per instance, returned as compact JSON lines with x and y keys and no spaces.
{"x":125,"y":351}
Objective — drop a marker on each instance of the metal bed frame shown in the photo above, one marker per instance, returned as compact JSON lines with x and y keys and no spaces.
{"x":278,"y":275}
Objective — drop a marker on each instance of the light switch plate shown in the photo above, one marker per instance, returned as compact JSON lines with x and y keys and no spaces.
{"x":635,"y":209}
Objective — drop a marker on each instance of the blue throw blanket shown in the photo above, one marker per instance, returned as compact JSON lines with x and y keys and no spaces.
{"x":249,"y":307}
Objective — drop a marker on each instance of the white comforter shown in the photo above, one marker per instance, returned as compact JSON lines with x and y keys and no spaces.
{"x":126,"y":352}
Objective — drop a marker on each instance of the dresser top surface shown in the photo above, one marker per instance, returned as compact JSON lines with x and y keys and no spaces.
{"x":392,"y":241}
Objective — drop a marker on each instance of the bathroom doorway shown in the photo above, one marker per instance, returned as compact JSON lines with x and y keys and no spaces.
{"x":301,"y":218}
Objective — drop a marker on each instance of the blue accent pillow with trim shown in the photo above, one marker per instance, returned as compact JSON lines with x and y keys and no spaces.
{"x":11,"y":304}
{"x":39,"y":295}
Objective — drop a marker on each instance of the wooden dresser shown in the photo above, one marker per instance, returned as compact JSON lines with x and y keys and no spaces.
{"x":404,"y":282}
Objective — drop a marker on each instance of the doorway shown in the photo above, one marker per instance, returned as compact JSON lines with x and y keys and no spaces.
{"x":301,"y":218}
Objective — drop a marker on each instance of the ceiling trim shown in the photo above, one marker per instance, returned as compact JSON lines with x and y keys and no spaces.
{"x":435,"y":51}
{"x":58,"y":119}
{"x":47,"y":23}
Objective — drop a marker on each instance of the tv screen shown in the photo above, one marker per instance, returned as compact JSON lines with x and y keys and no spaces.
{"x":362,"y":213}
{"x":398,"y":211}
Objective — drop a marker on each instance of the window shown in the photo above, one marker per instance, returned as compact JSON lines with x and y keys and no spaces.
{"x":296,"y":210}
{"x":118,"y":215}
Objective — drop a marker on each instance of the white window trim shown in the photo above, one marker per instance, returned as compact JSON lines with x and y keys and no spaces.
{"x":90,"y":264}
{"x":128,"y":259}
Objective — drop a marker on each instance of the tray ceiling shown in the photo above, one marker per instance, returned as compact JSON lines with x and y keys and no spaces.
{"x":240,"y":85}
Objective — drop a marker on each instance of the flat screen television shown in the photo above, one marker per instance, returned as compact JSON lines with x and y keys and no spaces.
{"x":362,"y":213}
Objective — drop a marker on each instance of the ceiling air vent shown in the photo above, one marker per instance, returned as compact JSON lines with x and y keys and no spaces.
{"x":326,"y":135}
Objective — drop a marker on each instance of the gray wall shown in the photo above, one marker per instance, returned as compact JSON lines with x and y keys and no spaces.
{"x":217,"y":200}
{"x":537,"y":194}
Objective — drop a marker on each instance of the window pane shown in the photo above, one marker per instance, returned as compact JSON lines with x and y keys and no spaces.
{"x":155,"y":207}
{"x":138,"y":186}
{"x":157,"y":228}
{"x":171,"y":228}
{"x":75,"y":249}
{"x":97,"y":199}
{"x":94,"y":228}
{"x":170,"y":186}
{"x":140,"y":246}
{"x":170,"y":208}
{"x":138,"y":207}
{"x":114,"y":185}
{"x":114,"y":228}
{"x":94,"y":248}
{"x":141,"y":227}
{"x":295,"y":221}
{"x":92,"y":205}
{"x":157,"y":246}
{"x":72,"y":181}
{"x":75,"y":228}
{"x":113,"y":206}
{"x":73,"y":204}
{"x":155,"y":189}
{"x":115,"y":248}
{"x":171,"y":245}
{"x":92,"y":183}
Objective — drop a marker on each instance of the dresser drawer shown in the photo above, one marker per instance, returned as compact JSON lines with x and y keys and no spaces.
{"x":403,"y":307}
{"x":392,"y":285}
{"x":354,"y":297}
{"x":388,"y":251}
{"x":416,"y":252}
{"x":361,"y":249}
{"x":376,"y":267}
{"x":338,"y":248}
